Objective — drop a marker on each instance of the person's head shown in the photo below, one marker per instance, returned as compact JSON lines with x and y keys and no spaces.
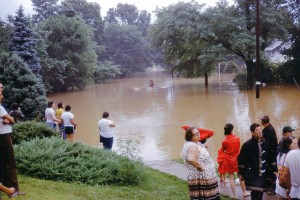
{"x":256,"y":131}
{"x":14,"y":106}
{"x":265,"y":120}
{"x":287,"y":131}
{"x":228,"y":129}
{"x":192,"y":134}
{"x":1,"y":96}
{"x":60,"y":105}
{"x":288,"y":144}
{"x":299,"y":143}
{"x":50,"y":104}
{"x":68,"y":108}
{"x":1,"y":87}
{"x":105,"y":115}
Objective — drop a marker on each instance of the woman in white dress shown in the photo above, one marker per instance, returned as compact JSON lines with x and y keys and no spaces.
{"x":202,"y":178}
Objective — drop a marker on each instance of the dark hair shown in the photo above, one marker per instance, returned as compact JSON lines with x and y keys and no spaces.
{"x":60,"y":105}
{"x":265,"y":119}
{"x":284,"y":146}
{"x":189,"y":133}
{"x":50,"y":104}
{"x":228,"y":128}
{"x":254,"y":126}
{"x":299,"y":142}
{"x":105,"y":115}
{"x":68,"y":108}
{"x":14,"y":106}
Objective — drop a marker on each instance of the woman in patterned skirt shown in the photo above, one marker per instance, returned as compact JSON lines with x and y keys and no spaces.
{"x":202,"y":178}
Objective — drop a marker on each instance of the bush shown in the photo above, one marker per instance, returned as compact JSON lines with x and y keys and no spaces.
{"x":59,"y":160}
{"x":28,"y":130}
{"x":241,"y":80}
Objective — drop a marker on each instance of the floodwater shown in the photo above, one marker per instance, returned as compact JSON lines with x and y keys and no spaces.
{"x":151,"y":118}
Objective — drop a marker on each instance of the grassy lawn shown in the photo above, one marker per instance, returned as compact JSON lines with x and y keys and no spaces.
{"x":157,"y":186}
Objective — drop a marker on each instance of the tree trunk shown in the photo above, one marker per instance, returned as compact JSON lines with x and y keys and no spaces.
{"x":206,"y":78}
{"x":249,"y":64}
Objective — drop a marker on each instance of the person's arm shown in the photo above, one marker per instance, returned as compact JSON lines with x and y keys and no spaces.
{"x":192,"y":157}
{"x":54,"y":118}
{"x":21,"y":113}
{"x":112,"y":124}
{"x":242,"y":162}
{"x":7,"y":119}
{"x":73,"y":122}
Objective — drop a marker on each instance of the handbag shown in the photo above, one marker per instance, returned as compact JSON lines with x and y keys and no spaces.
{"x":282,"y":178}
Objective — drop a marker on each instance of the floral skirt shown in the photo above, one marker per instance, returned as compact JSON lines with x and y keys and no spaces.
{"x":204,"y":189}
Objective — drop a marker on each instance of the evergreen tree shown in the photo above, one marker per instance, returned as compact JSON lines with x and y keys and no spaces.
{"x":21,"y":85}
{"x":23,"y":41}
{"x":5,"y":30}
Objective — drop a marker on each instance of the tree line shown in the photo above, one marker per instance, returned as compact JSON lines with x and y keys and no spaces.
{"x":67,"y":45}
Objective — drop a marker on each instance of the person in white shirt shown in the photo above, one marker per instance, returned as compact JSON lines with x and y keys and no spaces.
{"x":50,"y":115}
{"x":292,"y":170}
{"x":106,"y":131}
{"x":287,"y":145}
{"x":8,"y":169}
{"x":68,"y":120}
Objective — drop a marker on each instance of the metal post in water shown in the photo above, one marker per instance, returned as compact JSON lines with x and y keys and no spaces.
{"x":257,"y":84}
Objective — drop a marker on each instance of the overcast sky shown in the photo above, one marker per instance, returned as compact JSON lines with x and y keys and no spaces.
{"x":10,"y":6}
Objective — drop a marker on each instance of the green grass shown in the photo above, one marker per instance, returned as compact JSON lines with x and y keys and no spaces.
{"x":158,"y":186}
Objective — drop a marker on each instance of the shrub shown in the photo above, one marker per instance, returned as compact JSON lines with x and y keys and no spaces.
{"x":59,"y":160}
{"x":28,"y":130}
{"x":241,"y":80}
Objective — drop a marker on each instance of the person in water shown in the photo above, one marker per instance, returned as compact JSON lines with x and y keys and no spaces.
{"x":151,"y":83}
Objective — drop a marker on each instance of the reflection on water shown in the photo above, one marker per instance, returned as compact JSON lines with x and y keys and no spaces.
{"x":153,"y":116}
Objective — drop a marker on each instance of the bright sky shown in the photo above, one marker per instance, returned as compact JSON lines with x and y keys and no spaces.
{"x":10,"y":6}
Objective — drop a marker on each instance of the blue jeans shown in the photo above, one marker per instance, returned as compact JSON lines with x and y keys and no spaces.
{"x":51,"y":124}
{"x":107,"y":142}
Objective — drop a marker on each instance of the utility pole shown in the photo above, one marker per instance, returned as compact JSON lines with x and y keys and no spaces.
{"x":257,"y":82}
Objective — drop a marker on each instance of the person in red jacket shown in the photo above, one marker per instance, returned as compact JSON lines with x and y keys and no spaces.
{"x":229,"y":152}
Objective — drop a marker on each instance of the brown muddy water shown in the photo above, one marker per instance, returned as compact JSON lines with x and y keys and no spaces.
{"x":152,"y":118}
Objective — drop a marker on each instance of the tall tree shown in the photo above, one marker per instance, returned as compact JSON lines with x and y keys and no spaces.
{"x":23,"y":42}
{"x":44,"y":9}
{"x":175,"y":32}
{"x":129,"y":14}
{"x":5,"y":30}
{"x":70,"y":40}
{"x":90,"y":13}
{"x":21,"y":85}
{"x":126,"y":47}
{"x":236,"y":33}
{"x":52,"y":69}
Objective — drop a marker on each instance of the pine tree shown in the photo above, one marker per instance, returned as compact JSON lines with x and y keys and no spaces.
{"x":21,"y":86}
{"x":23,"y":42}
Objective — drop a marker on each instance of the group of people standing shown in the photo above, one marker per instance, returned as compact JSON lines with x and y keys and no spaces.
{"x":256,"y":163}
{"x":62,"y":120}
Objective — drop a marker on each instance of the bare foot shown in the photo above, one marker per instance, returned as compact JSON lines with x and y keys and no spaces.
{"x":246,"y":194}
{"x":11,"y":191}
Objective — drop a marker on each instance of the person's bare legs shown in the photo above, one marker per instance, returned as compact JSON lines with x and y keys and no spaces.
{"x":243,"y":186}
{"x":232,"y":184}
{"x":8,"y":191}
{"x":70,"y":137}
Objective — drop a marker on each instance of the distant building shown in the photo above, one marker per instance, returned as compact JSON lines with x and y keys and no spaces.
{"x":273,"y":52}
